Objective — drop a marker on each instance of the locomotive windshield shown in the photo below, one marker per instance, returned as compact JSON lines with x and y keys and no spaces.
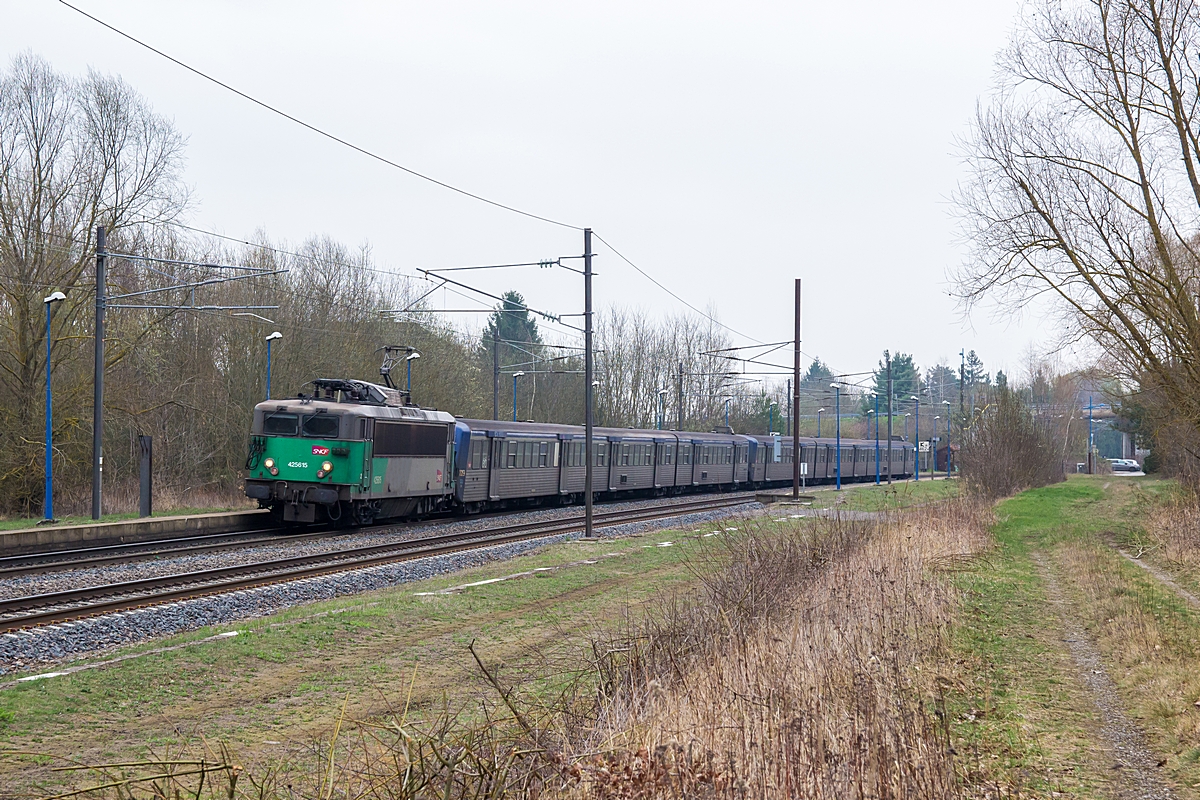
{"x":321,"y":426}
{"x":278,"y":424}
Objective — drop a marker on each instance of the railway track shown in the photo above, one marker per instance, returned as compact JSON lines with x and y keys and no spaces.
{"x":64,"y":606}
{"x":106,"y":555}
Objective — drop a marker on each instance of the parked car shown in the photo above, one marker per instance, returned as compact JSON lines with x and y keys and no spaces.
{"x":1125,"y":465}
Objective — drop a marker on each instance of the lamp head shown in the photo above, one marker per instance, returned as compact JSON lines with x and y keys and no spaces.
{"x":835,"y":386}
{"x":595,"y":384}
{"x":274,"y":336}
{"x":518,"y":374}
{"x":54,"y":298}
{"x":413,"y":355}
{"x":914,"y":397}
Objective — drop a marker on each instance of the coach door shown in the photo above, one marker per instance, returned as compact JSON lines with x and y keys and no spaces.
{"x":497,"y":462}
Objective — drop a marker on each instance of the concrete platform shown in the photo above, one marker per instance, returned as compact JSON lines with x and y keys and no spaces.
{"x":49,"y":538}
{"x":769,"y":496}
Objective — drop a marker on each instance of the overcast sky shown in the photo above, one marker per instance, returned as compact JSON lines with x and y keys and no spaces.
{"x":725,"y":148}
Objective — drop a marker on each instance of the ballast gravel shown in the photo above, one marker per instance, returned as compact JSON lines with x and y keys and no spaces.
{"x":69,"y":640}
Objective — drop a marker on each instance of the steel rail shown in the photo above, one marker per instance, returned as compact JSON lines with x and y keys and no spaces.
{"x":129,"y":552}
{"x":106,"y":599}
{"x":123,"y":552}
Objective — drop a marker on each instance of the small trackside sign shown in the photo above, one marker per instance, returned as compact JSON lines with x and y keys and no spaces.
{"x":318,"y":450}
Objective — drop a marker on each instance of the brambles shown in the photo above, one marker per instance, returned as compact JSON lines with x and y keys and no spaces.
{"x":1009,"y":448}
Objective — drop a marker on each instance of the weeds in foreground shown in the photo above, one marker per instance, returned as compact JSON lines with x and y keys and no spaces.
{"x":806,"y":663}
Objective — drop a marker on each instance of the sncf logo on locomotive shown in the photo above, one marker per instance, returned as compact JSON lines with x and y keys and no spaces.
{"x":318,"y":450}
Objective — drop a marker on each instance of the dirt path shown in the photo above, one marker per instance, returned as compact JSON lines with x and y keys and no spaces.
{"x":1135,"y":768}
{"x":1164,"y":579}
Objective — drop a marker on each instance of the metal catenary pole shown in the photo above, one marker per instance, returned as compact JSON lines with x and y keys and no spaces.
{"x":887,"y":355}
{"x":587,"y":380}
{"x":496,"y":371}
{"x":679,"y":419}
{"x":98,"y":378}
{"x":962,"y":390}
{"x":796,"y":395}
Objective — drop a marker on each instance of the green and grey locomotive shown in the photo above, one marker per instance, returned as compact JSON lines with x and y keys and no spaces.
{"x":349,"y":453}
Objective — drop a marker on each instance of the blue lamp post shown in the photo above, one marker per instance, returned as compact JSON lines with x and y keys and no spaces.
{"x":876,"y":396}
{"x":48,"y":502}
{"x":515,"y":376}
{"x":271,"y":338}
{"x":837,"y":414}
{"x":933,"y":448}
{"x":771,"y":419}
{"x":411,"y":357}
{"x":917,"y":438}
{"x":820,"y":411}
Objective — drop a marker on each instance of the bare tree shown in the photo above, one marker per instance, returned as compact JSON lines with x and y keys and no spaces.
{"x":1086,"y":183}
{"x":73,"y":154}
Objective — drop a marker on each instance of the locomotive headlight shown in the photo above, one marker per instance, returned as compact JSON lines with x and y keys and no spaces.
{"x":327,"y":466}
{"x":270,"y":462}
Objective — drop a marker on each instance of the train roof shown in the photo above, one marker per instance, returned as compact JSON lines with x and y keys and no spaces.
{"x":503,"y":428}
{"x":764,"y":438}
{"x":311,"y":405}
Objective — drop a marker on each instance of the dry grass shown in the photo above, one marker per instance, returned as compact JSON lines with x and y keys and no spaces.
{"x":805,"y":664}
{"x":808,"y":667}
{"x":123,"y":498}
{"x":1172,"y":528}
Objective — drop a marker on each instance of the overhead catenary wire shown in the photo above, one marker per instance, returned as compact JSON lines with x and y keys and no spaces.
{"x":389,"y":162}
{"x":319,"y":131}
{"x":655,"y":281}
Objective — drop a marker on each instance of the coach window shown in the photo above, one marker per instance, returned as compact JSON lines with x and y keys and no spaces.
{"x":601,"y":451}
{"x":624,"y":455}
{"x":512,"y":455}
{"x":544,"y":455}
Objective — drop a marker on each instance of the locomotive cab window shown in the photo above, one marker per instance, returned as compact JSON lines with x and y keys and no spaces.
{"x":276,"y":424}
{"x":321,"y":426}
